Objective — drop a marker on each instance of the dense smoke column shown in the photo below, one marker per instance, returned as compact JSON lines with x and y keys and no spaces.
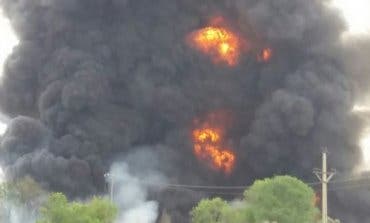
{"x":92,"y":80}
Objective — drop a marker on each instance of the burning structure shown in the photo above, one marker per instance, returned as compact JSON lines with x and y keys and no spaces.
{"x":208,"y":142}
{"x":221,"y":44}
{"x":93,"y":80}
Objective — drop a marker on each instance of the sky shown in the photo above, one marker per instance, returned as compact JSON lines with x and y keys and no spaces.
{"x":7,"y":41}
{"x":357,"y":16}
{"x":355,"y":12}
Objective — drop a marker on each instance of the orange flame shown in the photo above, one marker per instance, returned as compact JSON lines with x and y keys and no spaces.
{"x":207,"y":147}
{"x":265,"y":55}
{"x":221,"y":44}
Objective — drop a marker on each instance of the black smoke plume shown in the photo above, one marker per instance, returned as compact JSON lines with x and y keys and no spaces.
{"x":93,"y":80}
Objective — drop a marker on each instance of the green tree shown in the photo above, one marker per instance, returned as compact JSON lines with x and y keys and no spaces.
{"x":58,"y":210}
{"x":211,"y":211}
{"x":219,"y":211}
{"x":22,"y":198}
{"x":281,"y":199}
{"x":24,"y":190}
{"x":28,"y":189}
{"x":239,"y":213}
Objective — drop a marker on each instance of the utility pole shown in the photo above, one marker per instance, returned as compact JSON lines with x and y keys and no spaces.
{"x":324,"y":179}
{"x":109,"y":177}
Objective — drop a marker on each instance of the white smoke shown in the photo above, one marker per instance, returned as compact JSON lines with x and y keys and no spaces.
{"x":11,"y":212}
{"x":12,"y":209}
{"x":2,"y":177}
{"x":130,"y":194}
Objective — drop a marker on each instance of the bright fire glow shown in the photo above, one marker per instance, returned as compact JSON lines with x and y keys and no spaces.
{"x":208,"y":147}
{"x":221,"y":44}
{"x":225,"y":46}
{"x":265,"y":55}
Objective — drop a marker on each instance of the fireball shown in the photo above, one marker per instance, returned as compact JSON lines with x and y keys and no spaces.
{"x":220,"y":43}
{"x":208,"y":147}
{"x":225,"y":46}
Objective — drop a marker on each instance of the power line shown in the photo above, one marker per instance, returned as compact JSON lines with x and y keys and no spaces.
{"x":213,"y":193}
{"x":350,"y":186}
{"x":234,"y":190}
{"x":353,"y":179}
{"x":215,"y":187}
{"x":324,"y":176}
{"x":344,"y":187}
{"x":191,"y":186}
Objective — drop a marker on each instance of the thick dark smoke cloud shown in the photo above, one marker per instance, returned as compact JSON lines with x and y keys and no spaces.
{"x":93,"y":80}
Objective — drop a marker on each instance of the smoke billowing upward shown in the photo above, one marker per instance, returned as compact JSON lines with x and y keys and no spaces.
{"x":130,"y":192}
{"x":92,"y":80}
{"x":14,"y":213}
